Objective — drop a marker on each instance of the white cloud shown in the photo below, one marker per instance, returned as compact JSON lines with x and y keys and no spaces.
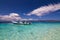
{"x":28,"y":19}
{"x":11,"y":16}
{"x":45,"y":10}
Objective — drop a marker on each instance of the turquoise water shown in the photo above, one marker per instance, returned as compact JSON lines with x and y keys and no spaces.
{"x":35,"y":31}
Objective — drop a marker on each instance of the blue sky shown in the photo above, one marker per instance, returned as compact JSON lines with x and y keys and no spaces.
{"x":26,"y":6}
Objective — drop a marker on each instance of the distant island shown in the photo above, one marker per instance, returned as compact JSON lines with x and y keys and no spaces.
{"x":33,"y":21}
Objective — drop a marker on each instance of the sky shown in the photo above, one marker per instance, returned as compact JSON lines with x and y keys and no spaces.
{"x":30,"y":9}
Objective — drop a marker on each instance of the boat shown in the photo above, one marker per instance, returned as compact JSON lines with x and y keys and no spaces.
{"x":21,"y":22}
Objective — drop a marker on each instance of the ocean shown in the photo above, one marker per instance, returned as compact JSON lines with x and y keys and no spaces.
{"x":34,"y":31}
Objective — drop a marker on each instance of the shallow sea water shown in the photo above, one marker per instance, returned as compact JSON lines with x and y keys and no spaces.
{"x":35,"y":31}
